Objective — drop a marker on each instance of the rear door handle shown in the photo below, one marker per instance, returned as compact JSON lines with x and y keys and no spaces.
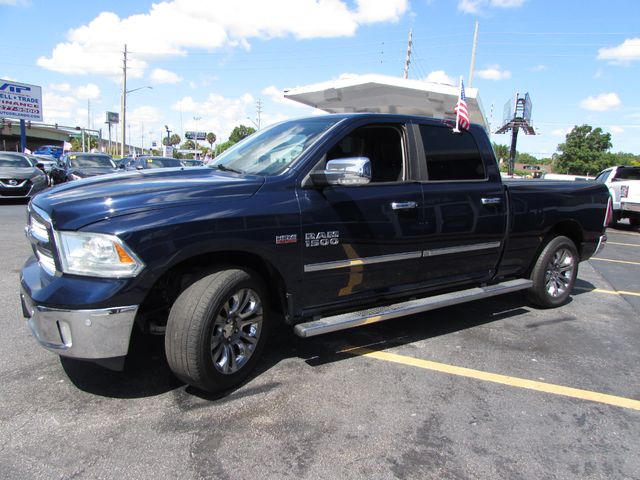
{"x":491,"y":201}
{"x":403,"y":205}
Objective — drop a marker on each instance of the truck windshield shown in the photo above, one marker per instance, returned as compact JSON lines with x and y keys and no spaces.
{"x":272,"y":151}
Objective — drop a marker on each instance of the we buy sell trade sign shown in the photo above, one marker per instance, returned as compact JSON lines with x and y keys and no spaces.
{"x":20,"y":100}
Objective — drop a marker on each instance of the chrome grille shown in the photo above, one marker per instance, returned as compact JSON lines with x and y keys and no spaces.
{"x":40,"y":233}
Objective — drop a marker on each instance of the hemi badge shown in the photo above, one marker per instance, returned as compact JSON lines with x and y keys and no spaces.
{"x":286,"y":239}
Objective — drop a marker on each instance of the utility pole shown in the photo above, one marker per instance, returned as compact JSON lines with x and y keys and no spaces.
{"x":259,"y":111}
{"x":473,"y":55}
{"x":123,"y":102}
{"x":407,"y":61}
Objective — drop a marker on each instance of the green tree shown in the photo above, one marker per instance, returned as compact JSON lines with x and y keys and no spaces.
{"x":211,"y":139}
{"x":173,"y":140}
{"x":240,"y":132}
{"x":188,"y":145}
{"x":584,"y":152}
{"x":522,"y":157}
{"x":501,"y":151}
{"x":89,"y":143}
{"x":221,"y":147}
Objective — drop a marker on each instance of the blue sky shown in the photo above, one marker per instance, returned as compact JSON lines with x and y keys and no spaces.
{"x":213,"y":60}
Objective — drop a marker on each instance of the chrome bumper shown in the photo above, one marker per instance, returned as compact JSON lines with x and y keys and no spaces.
{"x":630,"y":206}
{"x":83,"y":334}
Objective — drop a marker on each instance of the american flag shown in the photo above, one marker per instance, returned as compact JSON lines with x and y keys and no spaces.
{"x":462,"y":114}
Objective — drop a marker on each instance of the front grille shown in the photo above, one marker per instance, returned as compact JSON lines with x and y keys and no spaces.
{"x":40,"y":233}
{"x":11,"y":187}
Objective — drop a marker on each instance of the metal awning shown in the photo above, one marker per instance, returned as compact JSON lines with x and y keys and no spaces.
{"x":383,"y":94}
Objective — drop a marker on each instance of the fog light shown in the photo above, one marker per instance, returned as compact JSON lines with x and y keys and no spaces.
{"x":65,"y":333}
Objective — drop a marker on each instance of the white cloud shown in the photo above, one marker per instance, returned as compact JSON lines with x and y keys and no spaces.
{"x":217,"y":114}
{"x":616,"y":129}
{"x":625,"y":53}
{"x":602,"y":102}
{"x":60,"y":87}
{"x":474,"y":6}
{"x":171,"y":28}
{"x":276,"y":95}
{"x":507,"y":3}
{"x":186,"y":104}
{"x":90,"y":91}
{"x":373,"y":11}
{"x":160,"y":75}
{"x":539,"y":68}
{"x":561,"y":132}
{"x":440,"y":76}
{"x":56,"y":107}
{"x":493,"y":72}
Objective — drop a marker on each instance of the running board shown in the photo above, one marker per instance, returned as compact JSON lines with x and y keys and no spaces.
{"x":379,"y":314}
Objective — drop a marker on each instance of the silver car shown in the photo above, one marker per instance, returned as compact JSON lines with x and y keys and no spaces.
{"x":21,"y":176}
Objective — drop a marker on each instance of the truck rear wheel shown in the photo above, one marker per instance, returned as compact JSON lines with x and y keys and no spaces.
{"x":217,"y":329}
{"x":554,"y":273}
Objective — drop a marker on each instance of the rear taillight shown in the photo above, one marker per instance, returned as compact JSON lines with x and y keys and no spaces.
{"x":624,"y":191}
{"x":609,"y":215}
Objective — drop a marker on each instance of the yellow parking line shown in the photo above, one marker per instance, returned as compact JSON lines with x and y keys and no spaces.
{"x":610,"y":292}
{"x":624,"y":244}
{"x":614,"y":261}
{"x":496,"y":378}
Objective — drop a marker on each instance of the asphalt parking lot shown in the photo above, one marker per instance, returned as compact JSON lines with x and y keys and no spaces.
{"x":490,"y":389}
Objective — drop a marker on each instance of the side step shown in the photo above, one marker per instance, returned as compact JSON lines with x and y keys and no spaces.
{"x":379,"y":314}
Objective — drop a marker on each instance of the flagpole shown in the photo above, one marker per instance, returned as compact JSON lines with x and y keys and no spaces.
{"x":457,"y":129}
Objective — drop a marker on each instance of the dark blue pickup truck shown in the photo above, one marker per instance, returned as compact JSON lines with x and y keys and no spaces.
{"x":324,"y":223}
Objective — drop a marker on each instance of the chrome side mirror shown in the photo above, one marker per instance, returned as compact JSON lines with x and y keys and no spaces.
{"x":343,"y":172}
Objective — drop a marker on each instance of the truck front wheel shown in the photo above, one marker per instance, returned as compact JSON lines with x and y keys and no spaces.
{"x":554,"y":273}
{"x":217,"y":329}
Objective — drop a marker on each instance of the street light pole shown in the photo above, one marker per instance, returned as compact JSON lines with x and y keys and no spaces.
{"x":123,"y":100}
{"x":195,"y":139}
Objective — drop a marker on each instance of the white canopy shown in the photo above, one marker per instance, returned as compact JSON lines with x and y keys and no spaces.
{"x":383,"y":94}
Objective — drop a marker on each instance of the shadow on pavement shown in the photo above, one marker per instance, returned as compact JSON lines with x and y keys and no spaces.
{"x":147,"y":372}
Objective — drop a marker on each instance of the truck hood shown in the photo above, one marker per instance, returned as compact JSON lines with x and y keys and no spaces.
{"x":76,"y":204}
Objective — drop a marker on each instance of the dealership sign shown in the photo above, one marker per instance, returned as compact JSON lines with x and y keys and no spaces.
{"x":20,"y":100}
{"x":195,"y":135}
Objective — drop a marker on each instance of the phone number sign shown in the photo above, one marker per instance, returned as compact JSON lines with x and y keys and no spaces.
{"x":20,"y":100}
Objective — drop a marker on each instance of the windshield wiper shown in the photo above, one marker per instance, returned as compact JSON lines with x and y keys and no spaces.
{"x":227,"y":169}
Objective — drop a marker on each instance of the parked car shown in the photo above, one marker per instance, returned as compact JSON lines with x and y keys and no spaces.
{"x":77,"y":165}
{"x":20,"y":175}
{"x":145,"y":162}
{"x":323,"y":223}
{"x":53,"y":150}
{"x":192,"y":163}
{"x":624,"y":186}
{"x":47,"y":161}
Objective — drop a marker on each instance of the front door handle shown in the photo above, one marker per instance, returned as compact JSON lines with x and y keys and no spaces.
{"x":491,"y":201}
{"x":403,"y":205}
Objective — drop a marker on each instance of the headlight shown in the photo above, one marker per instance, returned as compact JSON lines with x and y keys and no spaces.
{"x":96,"y":255}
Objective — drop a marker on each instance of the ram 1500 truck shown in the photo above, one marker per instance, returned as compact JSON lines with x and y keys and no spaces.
{"x":325,"y":223}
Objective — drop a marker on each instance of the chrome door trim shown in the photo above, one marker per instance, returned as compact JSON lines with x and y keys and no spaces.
{"x":316,"y":267}
{"x":459,"y":249}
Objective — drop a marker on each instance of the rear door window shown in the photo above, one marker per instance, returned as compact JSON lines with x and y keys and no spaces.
{"x":451,"y":156}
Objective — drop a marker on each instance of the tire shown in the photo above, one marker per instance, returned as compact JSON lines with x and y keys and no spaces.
{"x":554,"y":273}
{"x":634,"y":222}
{"x":217,"y":329}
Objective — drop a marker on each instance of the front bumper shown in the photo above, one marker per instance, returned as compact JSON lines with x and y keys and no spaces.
{"x":630,"y":206}
{"x":83,"y":334}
